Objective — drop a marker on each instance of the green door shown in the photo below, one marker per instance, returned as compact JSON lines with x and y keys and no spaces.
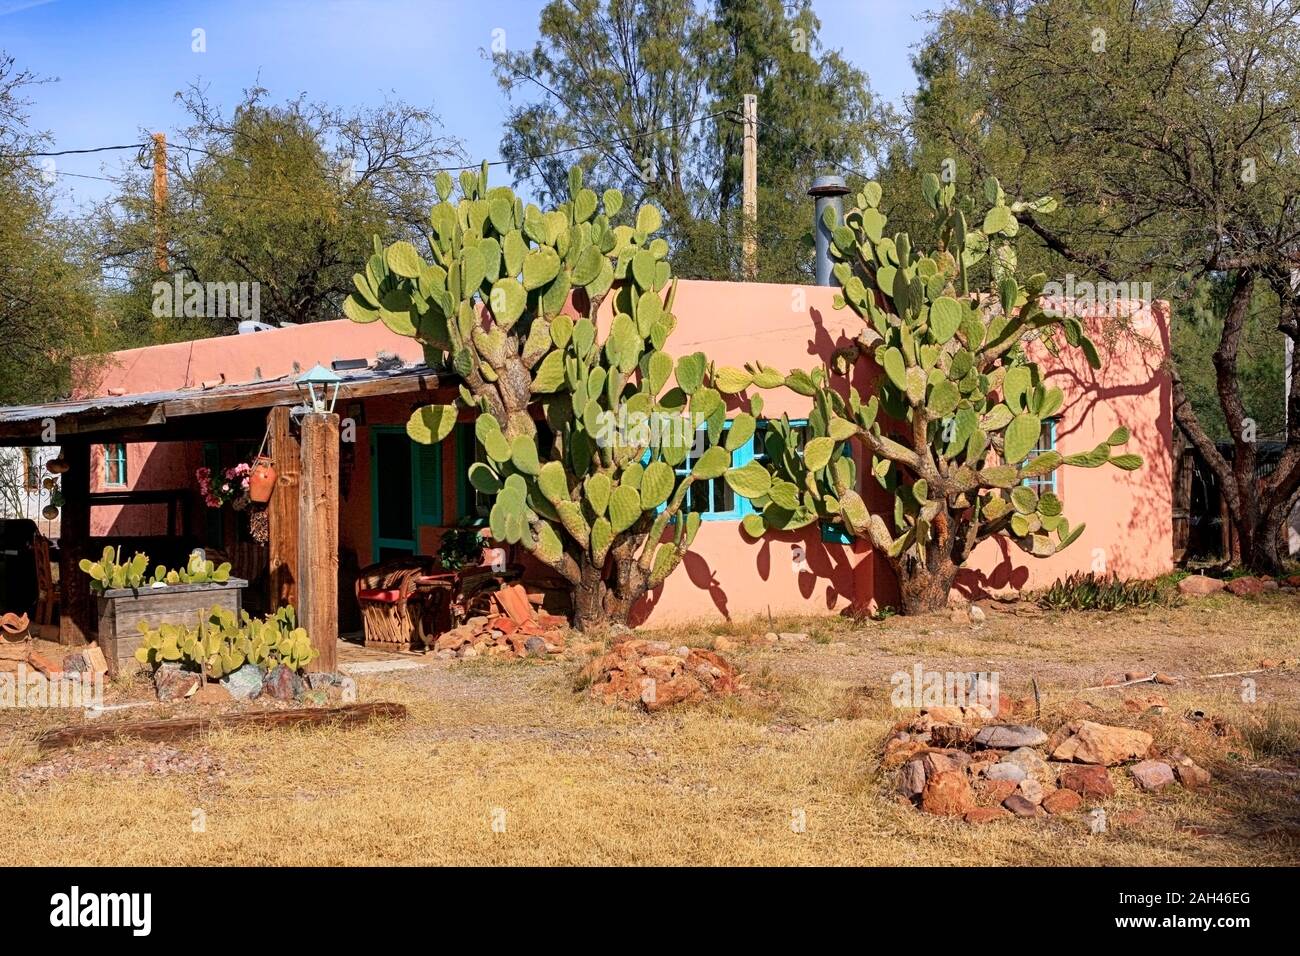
{"x":405,"y":491}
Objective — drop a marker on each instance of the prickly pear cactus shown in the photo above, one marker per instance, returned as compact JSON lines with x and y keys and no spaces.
{"x":108,"y":573}
{"x":221,"y":642}
{"x":509,"y":298}
{"x":950,"y":424}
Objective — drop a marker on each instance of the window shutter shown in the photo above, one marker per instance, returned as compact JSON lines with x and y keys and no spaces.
{"x":428,"y":484}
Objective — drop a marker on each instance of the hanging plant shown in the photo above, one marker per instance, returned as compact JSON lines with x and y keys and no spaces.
{"x":230,"y":487}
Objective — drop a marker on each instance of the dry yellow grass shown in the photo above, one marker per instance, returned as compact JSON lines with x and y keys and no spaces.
{"x":574,"y":783}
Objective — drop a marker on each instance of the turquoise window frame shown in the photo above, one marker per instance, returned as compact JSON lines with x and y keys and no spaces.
{"x":1044,"y":482}
{"x":741,"y":456}
{"x":831,"y":534}
{"x":424,"y":512}
{"x":115,"y":454}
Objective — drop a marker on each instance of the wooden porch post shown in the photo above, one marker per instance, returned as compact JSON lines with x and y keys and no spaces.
{"x":76,"y":607}
{"x":282,"y":510}
{"x":318,"y":540}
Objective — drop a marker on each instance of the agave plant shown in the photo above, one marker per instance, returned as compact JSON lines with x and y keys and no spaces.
{"x":509,"y":297}
{"x":950,"y":425}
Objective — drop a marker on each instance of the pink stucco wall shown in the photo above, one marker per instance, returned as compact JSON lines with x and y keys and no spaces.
{"x":1128,"y":514}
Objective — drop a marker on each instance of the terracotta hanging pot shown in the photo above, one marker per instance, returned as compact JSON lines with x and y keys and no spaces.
{"x":261,"y":480}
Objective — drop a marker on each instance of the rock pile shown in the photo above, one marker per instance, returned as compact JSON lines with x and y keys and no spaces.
{"x":1249,"y":585}
{"x":958,"y":761}
{"x":654,"y":675}
{"x":516,"y":628}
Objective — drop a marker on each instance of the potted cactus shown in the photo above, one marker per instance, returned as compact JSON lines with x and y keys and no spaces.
{"x":129,"y":597}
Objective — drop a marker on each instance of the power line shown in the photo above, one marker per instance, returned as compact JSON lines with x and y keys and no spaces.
{"x":71,"y":152}
{"x":624,"y":140}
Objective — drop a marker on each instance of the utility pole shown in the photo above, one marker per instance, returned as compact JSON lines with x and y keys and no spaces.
{"x":749,"y":184}
{"x":159,"y":201}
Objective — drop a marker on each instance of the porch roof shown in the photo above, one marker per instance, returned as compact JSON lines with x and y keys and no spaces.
{"x":199,"y":412}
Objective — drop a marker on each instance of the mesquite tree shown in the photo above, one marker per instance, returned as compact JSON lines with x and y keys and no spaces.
{"x":951,"y":423}
{"x":598,"y":489}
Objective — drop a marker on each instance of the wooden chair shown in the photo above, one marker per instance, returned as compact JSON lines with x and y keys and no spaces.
{"x":47,"y":595}
{"x":391,"y":601}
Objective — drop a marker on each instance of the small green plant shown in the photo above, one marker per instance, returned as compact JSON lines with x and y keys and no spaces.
{"x":221,"y":642}
{"x":198,"y":570}
{"x":460,"y":548}
{"x":1092,"y":592}
{"x":277,"y":639}
{"x":109,"y":573}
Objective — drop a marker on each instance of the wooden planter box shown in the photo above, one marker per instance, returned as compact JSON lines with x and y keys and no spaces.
{"x":122,"y":609}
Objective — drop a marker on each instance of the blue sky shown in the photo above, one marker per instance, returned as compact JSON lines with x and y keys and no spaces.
{"x":118,"y":63}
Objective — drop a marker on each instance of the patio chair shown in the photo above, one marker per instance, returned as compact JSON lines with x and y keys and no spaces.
{"x":391,"y":602}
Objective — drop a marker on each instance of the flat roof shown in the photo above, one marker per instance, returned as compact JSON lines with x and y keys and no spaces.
{"x":145,"y":412}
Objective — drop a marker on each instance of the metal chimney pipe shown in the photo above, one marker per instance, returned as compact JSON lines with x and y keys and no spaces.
{"x":827,"y":191}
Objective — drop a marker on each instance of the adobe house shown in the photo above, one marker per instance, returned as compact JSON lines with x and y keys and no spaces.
{"x":145,"y":419}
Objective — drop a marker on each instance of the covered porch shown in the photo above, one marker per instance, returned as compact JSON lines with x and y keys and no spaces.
{"x":347,"y":476}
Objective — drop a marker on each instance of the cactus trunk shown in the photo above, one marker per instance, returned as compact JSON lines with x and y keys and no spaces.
{"x":596,"y":604}
{"x":925,"y":591}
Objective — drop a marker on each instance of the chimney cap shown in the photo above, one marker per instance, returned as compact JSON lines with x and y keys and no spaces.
{"x":828,"y":186}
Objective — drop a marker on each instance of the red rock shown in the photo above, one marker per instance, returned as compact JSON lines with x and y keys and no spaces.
{"x":1247,"y":586}
{"x":946,"y":735}
{"x":1103,"y":744}
{"x":947,"y":794}
{"x":647,"y":674}
{"x":986,"y":815}
{"x":658,"y":695}
{"x":505,"y":625}
{"x":1198,"y":585}
{"x":211,"y":693}
{"x":1136,"y":675}
{"x":936,"y":761}
{"x":945,"y":715}
{"x":911,"y":779}
{"x":1092,"y":782}
{"x":991,"y":793}
{"x":1163,"y":678}
{"x":1191,"y":776}
{"x":1022,"y":807}
{"x":1152,"y":775}
{"x":1062,"y":801}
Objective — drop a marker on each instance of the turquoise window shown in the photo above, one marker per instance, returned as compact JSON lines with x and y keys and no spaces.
{"x":713,"y":500}
{"x":1046,"y":442}
{"x":115,"y":465}
{"x":831,"y":533}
